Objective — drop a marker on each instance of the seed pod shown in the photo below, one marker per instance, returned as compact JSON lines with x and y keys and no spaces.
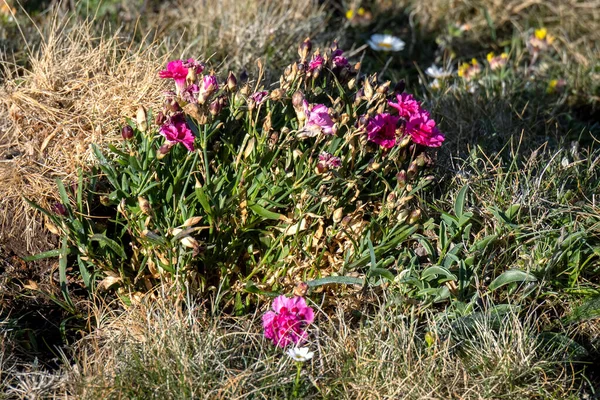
{"x":141,"y":119}
{"x":351,"y":83}
{"x":383,"y":88}
{"x":127,"y":132}
{"x":164,"y":150}
{"x":160,"y":118}
{"x":191,"y":76}
{"x":401,"y":177}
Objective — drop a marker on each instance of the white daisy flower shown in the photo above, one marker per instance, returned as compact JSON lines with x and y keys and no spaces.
{"x":438,"y":73}
{"x":386,"y":43}
{"x":300,"y":354}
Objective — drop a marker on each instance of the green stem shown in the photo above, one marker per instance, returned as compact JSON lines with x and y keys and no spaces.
{"x":297,"y":381}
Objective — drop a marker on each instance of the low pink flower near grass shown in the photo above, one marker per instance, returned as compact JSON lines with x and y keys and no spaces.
{"x":318,"y":120}
{"x":382,"y":130}
{"x":175,"y":130}
{"x":286,"y":323}
{"x":406,"y":105}
{"x":423,"y":131}
{"x":177,"y":71}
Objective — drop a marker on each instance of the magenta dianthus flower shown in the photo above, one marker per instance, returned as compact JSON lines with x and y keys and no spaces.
{"x":176,"y":71}
{"x":318,"y":120}
{"x":287,"y":322}
{"x":407,"y":106}
{"x":190,"y":93}
{"x":382,"y":130}
{"x":175,"y":130}
{"x":422,"y":130}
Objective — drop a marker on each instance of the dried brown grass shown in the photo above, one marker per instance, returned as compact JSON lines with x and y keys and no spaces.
{"x":77,"y":89}
{"x":236,"y":33}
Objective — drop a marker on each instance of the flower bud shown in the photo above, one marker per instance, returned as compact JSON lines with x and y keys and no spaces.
{"x":400,"y":86}
{"x":160,"y":118}
{"x":141,"y":119}
{"x":164,"y":150}
{"x":127,"y":132}
{"x":368,"y":89}
{"x":298,"y":100}
{"x":405,"y":141}
{"x":231,"y":82}
{"x":383,"y":89}
{"x":144,"y":205}
{"x":412,"y":170}
{"x":338,"y":214}
{"x":59,"y":209}
{"x":414,"y":217}
{"x":402,"y":215}
{"x":191,"y":77}
{"x":189,"y":242}
{"x":172,"y":105}
{"x":401,"y":177}
{"x":277,"y":94}
{"x":215,"y":108}
{"x":192,"y":221}
{"x":351,"y":83}
{"x":104,"y":200}
{"x":301,"y":289}
{"x":304,"y":49}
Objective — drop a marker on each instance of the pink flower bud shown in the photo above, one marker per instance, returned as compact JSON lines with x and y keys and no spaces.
{"x":127,"y":132}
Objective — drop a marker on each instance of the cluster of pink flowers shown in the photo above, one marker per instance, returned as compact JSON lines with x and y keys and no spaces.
{"x":287,"y":323}
{"x":417,"y":123}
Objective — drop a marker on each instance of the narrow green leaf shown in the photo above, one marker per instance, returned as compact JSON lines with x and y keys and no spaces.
{"x":105,"y":241}
{"x":263,"y":212}
{"x":511,"y":276}
{"x":45,"y":254}
{"x":459,"y":204}
{"x":342,"y":280}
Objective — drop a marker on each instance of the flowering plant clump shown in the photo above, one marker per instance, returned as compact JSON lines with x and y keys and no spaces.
{"x":252,"y":189}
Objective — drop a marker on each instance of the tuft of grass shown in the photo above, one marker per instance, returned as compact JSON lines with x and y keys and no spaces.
{"x":158,"y":349}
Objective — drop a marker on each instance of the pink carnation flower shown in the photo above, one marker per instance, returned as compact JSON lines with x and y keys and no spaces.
{"x":318,"y":120}
{"x":423,"y":131}
{"x":406,"y":105}
{"x":287,"y":322}
{"x":176,"y":71}
{"x":316,"y":62}
{"x":209,"y":84}
{"x":175,"y":130}
{"x":382,"y":130}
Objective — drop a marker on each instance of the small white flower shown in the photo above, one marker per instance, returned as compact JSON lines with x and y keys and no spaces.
{"x":435,"y":84}
{"x":438,"y":73}
{"x":386,"y":43}
{"x":300,"y":354}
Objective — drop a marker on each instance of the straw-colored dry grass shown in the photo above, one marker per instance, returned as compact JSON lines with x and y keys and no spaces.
{"x":236,"y":33}
{"x":77,"y":90}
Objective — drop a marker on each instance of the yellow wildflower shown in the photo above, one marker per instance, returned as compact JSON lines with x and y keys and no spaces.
{"x":361,"y":11}
{"x":350,"y":14}
{"x":541,"y":33}
{"x":490,"y":56}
